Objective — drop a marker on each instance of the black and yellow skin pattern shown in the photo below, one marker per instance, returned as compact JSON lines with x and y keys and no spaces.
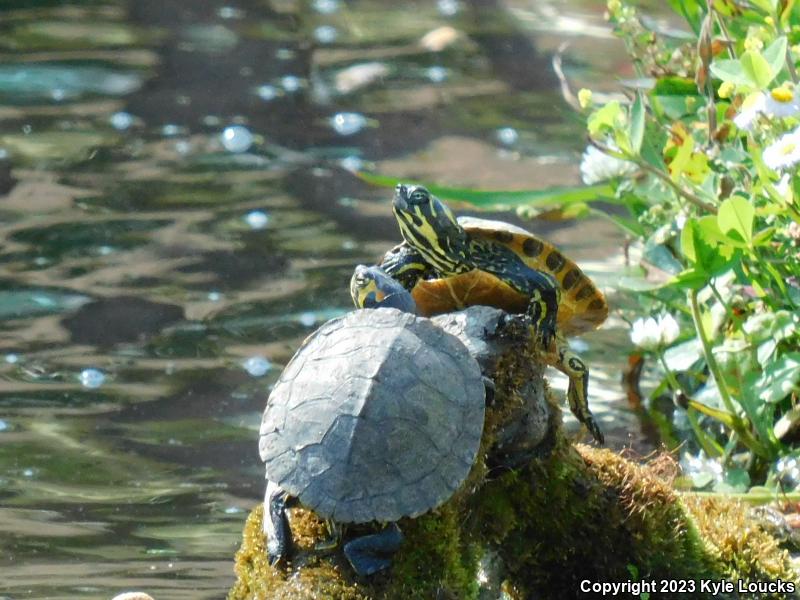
{"x":448,"y":264}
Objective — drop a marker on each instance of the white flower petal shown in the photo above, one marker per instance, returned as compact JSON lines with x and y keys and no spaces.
{"x":596,"y":166}
{"x":783,"y":153}
{"x":669,"y":329}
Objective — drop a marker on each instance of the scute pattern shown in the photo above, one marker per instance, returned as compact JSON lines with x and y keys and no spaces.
{"x":378,"y":416}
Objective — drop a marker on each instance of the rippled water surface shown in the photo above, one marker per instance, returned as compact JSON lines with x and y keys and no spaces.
{"x":159,"y":266}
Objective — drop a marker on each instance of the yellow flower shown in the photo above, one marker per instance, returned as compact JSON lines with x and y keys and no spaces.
{"x":585,"y":98}
{"x":753,"y":44}
{"x":613,"y":6}
{"x":726,"y":89}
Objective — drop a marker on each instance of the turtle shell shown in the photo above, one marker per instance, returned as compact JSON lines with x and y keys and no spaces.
{"x":378,"y":416}
{"x":582,"y":307}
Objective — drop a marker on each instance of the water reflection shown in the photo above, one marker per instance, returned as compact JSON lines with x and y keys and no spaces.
{"x":178,"y":212}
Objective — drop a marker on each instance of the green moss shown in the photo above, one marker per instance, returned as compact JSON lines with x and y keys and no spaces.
{"x":436,"y":557}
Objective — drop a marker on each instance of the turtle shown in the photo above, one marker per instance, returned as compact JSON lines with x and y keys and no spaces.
{"x":378,"y":416}
{"x":449,"y":263}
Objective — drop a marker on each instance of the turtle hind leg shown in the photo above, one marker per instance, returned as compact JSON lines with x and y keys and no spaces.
{"x":370,"y":554}
{"x":276,"y":523}
{"x":574,"y":368}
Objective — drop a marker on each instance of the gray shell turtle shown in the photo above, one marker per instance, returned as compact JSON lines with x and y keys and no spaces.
{"x":378,"y":416}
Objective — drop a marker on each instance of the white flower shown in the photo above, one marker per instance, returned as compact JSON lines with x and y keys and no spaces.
{"x":650,"y":334}
{"x":597,"y":166}
{"x":783,"y":153}
{"x":783,"y":187}
{"x":751,"y":108}
{"x":644,"y":333}
{"x":670,"y":330}
{"x":781,"y":102}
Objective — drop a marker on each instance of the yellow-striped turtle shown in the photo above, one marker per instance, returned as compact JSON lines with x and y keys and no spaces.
{"x":450,"y":263}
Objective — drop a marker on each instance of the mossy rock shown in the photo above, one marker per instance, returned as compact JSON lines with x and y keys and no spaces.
{"x":569,"y":513}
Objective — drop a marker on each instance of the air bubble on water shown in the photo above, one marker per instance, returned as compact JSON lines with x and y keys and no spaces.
{"x":448,"y":8}
{"x":121,"y":120}
{"x":257,"y":366}
{"x":326,"y":7}
{"x":3,"y":153}
{"x":237,"y":139}
{"x":507,"y":136}
{"x":12,"y":358}
{"x":326,"y":34}
{"x":257,"y":219}
{"x":171,"y":130}
{"x":352,"y":163}
{"x":349,"y":245}
{"x":307,"y":319}
{"x":267,"y":92}
{"x":284,"y":53}
{"x":4,"y":426}
{"x":230,"y":12}
{"x":92,"y":378}
{"x":437,"y":74}
{"x":29,"y":472}
{"x":183,"y":147}
{"x":58,"y":94}
{"x":233,"y":510}
{"x":211,"y":121}
{"x":214,"y":296}
{"x":348,"y":123}
{"x":291,"y":83}
{"x":27,"y":129}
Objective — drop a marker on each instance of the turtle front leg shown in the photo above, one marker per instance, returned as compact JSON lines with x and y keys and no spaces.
{"x":405,"y":265}
{"x":573,"y":367}
{"x":276,"y":523}
{"x":369,"y":554}
{"x":541,"y":289}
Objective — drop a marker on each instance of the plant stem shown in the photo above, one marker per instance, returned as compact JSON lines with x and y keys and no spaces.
{"x":698,"y":202}
{"x":706,"y":443}
{"x":738,"y":426}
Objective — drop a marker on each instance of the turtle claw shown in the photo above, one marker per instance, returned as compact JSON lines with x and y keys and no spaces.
{"x":546,"y":332}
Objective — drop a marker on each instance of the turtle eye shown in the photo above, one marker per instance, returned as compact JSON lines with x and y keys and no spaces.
{"x":419,"y":197}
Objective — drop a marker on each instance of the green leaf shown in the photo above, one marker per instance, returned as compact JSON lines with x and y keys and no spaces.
{"x":736,"y":215}
{"x":605,"y":119}
{"x":637,"y":123}
{"x":732,"y":71}
{"x":671,"y":85}
{"x":777,"y":379}
{"x":775,"y":55}
{"x":498,"y":200}
{"x":757,"y":69}
{"x":688,"y":238}
{"x":768,"y":6}
{"x":691,"y":10}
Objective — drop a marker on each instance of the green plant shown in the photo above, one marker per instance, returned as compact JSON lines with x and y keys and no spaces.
{"x":712,"y":129}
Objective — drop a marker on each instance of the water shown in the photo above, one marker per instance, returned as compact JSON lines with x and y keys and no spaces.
{"x":157,"y":273}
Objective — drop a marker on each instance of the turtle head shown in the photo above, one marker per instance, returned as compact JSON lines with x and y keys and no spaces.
{"x":371,"y":287}
{"x":429,"y":227}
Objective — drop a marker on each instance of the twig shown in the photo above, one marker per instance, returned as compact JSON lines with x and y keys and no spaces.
{"x":566,"y":92}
